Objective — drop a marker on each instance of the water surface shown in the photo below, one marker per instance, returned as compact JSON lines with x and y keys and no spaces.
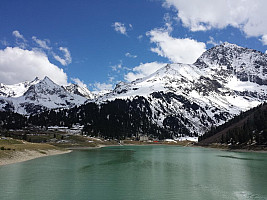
{"x":138,"y":172}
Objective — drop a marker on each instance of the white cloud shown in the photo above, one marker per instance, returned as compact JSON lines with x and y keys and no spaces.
{"x":120,"y":27}
{"x":42,"y":43}
{"x":102,"y":86}
{"x":79,"y":82}
{"x":117,"y":67}
{"x":20,"y":40}
{"x":213,"y":42}
{"x":17,"y":65}
{"x":143,"y":70}
{"x":264,"y":39}
{"x":175,"y":49}
{"x":140,"y":37}
{"x":249,"y":16}
{"x":168,"y":22}
{"x":4,"y":42}
{"x":18,"y":35}
{"x":111,"y":78}
{"x":129,"y":55}
{"x":67,"y":57}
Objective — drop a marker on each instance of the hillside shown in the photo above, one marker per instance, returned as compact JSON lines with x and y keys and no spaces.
{"x":40,"y":95}
{"x":224,"y":81}
{"x":248,"y":128}
{"x":175,"y":101}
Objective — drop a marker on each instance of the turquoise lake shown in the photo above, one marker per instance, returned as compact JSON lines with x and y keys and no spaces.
{"x":138,"y":172}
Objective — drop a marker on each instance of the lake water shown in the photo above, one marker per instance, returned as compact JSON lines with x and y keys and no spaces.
{"x":138,"y":172}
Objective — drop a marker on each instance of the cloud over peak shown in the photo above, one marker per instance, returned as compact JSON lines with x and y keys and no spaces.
{"x":177,"y":50}
{"x":18,"y":65}
{"x":79,"y":82}
{"x":246,"y":15}
{"x":102,"y":87}
{"x":143,"y":70}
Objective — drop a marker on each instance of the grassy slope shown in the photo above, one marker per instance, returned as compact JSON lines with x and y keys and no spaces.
{"x":10,"y":146}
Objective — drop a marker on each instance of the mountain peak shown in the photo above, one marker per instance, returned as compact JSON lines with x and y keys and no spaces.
{"x":36,"y":79}
{"x":46,"y":78}
{"x":48,"y":81}
{"x":233,"y":60}
{"x":227,"y":44}
{"x":79,"y":90}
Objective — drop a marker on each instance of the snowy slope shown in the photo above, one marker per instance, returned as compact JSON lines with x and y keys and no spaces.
{"x":224,"y":81}
{"x":184,"y":99}
{"x":41,"y":96}
{"x":16,"y":90}
{"x":79,"y":90}
{"x":230,"y":59}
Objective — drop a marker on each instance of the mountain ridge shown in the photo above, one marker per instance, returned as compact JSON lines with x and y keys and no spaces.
{"x":39,"y":96}
{"x":216,"y":88}
{"x":247,"y":129}
{"x":188,"y":99}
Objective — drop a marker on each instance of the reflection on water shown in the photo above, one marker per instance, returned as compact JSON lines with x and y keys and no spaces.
{"x":245,"y":195}
{"x":138,"y":172}
{"x":240,"y":158}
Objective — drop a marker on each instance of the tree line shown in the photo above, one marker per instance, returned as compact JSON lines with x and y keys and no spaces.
{"x":249,"y":127}
{"x":116,"y":119}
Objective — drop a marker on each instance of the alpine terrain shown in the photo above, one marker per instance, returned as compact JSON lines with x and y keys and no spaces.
{"x":224,"y":81}
{"x":40,"y":95}
{"x":177,"y":100}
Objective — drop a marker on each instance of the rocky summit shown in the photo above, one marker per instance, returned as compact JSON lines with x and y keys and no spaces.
{"x":180,"y":98}
{"x":224,"y":81}
{"x":38,"y":96}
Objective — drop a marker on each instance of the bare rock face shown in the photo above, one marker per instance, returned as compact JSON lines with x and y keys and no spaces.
{"x":40,"y":96}
{"x":180,"y":98}
{"x":224,"y":81}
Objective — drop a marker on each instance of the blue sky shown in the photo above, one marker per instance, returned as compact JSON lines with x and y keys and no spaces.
{"x":101,"y":42}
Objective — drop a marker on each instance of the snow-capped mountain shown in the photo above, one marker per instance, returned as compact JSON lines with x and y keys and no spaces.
{"x":246,"y":64}
{"x":41,"y":95}
{"x":224,"y":81}
{"x":80,"y":90}
{"x":180,"y":98}
{"x":16,"y":90}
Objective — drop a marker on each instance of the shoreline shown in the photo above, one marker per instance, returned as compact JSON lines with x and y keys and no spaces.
{"x":247,"y":151}
{"x":22,"y":156}
{"x":225,"y":148}
{"x":218,"y":147}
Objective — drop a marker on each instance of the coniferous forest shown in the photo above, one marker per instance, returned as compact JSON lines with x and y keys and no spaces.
{"x":119,"y":119}
{"x":248,"y":128}
{"x":116,"y":119}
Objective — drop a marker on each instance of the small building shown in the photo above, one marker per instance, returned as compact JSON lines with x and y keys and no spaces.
{"x":143,"y":138}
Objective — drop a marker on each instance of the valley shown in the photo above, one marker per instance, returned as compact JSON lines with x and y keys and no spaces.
{"x":177,"y":101}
